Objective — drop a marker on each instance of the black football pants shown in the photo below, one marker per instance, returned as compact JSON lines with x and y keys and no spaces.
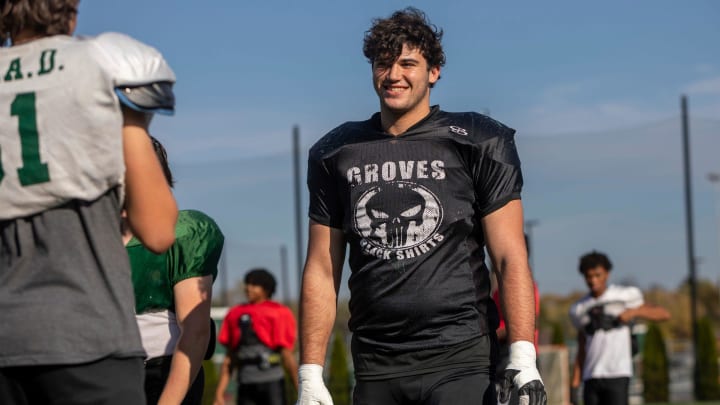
{"x":109,"y":381}
{"x":604,"y":391}
{"x":456,"y":386}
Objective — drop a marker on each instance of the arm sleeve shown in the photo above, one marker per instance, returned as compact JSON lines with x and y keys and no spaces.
{"x":200,"y":243}
{"x":325,"y":207}
{"x":496,"y":172}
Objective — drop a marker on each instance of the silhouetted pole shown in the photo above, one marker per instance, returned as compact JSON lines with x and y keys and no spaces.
{"x":284,"y":272}
{"x":689,"y":223}
{"x":224,"y":281}
{"x":298,"y":206}
{"x":529,"y":225}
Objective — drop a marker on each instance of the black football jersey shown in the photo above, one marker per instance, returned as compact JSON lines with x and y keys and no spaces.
{"x":410,"y":208}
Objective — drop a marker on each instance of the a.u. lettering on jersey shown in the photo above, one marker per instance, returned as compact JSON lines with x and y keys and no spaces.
{"x":46,"y":64}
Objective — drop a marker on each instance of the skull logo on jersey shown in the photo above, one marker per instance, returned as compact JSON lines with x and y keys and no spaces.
{"x":397,"y":215}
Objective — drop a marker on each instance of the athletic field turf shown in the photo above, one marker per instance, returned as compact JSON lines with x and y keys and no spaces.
{"x":686,"y":403}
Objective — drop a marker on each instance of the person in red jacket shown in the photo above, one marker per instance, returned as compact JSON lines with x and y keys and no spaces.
{"x":259,"y":336}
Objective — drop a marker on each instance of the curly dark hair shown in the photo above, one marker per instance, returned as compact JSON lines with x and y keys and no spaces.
{"x":385,"y":39}
{"x":594,"y":259}
{"x":45,"y":17}
{"x":263,"y":278}
{"x":162,"y":157}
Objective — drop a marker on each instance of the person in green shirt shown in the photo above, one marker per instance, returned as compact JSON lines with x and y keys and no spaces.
{"x":173,"y":293}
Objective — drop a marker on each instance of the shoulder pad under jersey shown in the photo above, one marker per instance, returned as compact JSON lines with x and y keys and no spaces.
{"x":198,"y":230}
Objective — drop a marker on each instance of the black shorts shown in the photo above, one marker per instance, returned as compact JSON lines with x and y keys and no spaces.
{"x":600,"y":391}
{"x":269,"y":393}
{"x":157,"y":371}
{"x":454,"y":386}
{"x":109,"y":381}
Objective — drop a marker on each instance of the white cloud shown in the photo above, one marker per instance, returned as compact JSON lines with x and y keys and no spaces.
{"x":705,"y":86}
{"x":704,"y":68}
{"x":564,"y":108}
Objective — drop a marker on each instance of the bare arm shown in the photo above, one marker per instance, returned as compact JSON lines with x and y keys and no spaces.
{"x":290,"y":365}
{"x":318,"y":300}
{"x":192,"y":308}
{"x":647,"y":312}
{"x":225,"y":373}
{"x":150,"y":205}
{"x":506,"y":245}
{"x":579,"y":361}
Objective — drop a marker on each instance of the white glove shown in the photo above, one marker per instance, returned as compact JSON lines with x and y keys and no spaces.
{"x":523,"y":374}
{"x":311,"y":389}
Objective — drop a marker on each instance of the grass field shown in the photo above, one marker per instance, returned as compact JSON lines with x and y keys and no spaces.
{"x":686,"y":403}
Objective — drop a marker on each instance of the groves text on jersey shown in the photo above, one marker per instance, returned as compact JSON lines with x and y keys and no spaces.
{"x":390,"y":171}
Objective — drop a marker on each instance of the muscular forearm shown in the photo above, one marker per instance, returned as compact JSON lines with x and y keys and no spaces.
{"x":186,"y":362}
{"x":518,"y":301}
{"x":648,"y":313}
{"x":317,"y":316}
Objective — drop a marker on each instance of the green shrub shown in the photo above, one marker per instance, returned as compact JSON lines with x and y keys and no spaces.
{"x":211,"y":381}
{"x":339,"y":383}
{"x":290,"y":391}
{"x":558,"y":336}
{"x":655,"y":375}
{"x":706,"y":363}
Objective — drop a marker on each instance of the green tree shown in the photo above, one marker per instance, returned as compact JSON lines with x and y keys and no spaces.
{"x":290,"y":391}
{"x":339,"y":383}
{"x":655,"y":375}
{"x":211,"y":381}
{"x":558,"y":336}
{"x":706,"y":363}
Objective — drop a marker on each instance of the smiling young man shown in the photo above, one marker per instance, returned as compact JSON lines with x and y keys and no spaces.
{"x":417,"y":193}
{"x":604,"y":360}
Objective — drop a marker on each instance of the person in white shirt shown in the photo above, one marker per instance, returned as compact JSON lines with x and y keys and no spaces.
{"x":604,"y":357}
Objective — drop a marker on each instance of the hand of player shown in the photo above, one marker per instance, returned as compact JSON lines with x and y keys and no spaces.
{"x":311,"y":389}
{"x":523,"y":374}
{"x":575,"y":395}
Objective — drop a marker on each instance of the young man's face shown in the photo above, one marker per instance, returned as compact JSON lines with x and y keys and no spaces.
{"x":255,"y":293}
{"x":404,"y":86}
{"x":596,"y":280}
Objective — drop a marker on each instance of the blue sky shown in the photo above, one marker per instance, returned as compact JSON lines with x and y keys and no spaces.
{"x":592,"y":89}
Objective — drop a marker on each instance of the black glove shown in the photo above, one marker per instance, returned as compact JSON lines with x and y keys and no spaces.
{"x":522,"y":373}
{"x":534,"y":390}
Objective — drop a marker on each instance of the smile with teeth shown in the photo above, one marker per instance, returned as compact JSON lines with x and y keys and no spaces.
{"x":394,"y":89}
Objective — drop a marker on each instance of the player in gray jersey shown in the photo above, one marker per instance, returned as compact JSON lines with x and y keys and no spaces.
{"x":74,"y":149}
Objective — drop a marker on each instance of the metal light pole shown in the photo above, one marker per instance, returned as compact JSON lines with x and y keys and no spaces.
{"x":689,"y":229}
{"x":298,"y":204}
{"x":529,"y":225}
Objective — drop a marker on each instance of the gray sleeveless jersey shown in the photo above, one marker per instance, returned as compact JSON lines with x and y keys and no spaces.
{"x":65,"y":291}
{"x":61,"y":120}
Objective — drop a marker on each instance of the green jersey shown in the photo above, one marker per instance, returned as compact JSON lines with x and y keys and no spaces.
{"x":195,"y":253}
